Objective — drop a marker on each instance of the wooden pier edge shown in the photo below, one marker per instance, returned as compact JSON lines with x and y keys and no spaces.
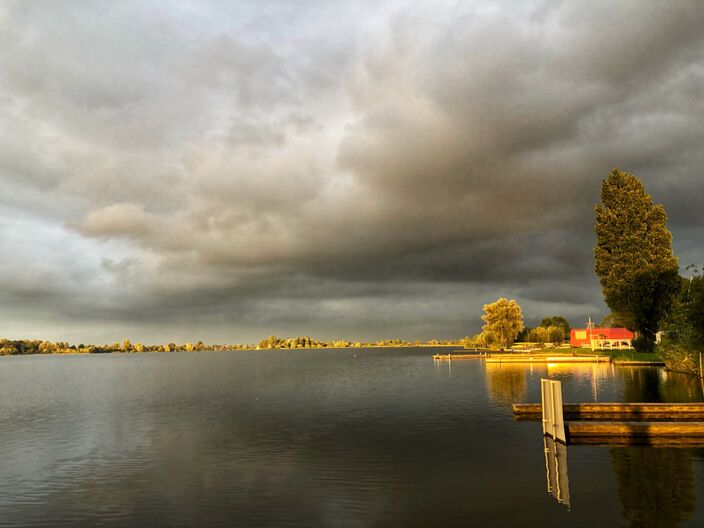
{"x":637,"y":363}
{"x":549,"y":359}
{"x":640,"y":427}
{"x":635,"y":431}
{"x":616,"y":407}
{"x":596,"y":411}
{"x":451,"y":357}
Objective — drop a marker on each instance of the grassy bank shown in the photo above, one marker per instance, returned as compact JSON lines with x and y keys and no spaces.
{"x":680,"y":358}
{"x":629,"y":355}
{"x":618,"y":355}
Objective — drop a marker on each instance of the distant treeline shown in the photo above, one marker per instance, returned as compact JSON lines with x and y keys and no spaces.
{"x":24,"y":346}
{"x":307,"y":342}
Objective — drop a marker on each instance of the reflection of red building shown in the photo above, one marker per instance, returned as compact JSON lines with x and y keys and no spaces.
{"x":598,"y":337}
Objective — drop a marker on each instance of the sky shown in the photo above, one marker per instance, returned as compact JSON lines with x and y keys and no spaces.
{"x":223,"y":171}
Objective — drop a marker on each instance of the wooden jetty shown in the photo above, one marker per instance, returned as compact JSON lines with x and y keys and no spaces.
{"x":616,"y":411}
{"x":523,"y":355}
{"x":603,"y":423}
{"x":585,"y":432}
{"x":637,"y":363}
{"x":458,"y":356}
{"x":548,"y":359}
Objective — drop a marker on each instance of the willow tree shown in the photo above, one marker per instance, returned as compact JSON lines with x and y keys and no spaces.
{"x":503,"y":320}
{"x":633,"y":256}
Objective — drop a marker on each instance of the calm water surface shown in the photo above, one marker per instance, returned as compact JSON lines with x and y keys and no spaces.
{"x":321,"y":438}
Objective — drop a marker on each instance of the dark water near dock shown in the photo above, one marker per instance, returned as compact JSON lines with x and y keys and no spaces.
{"x":367,"y":437}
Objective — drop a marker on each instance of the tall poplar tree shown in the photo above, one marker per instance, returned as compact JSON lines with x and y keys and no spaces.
{"x":633,"y":256}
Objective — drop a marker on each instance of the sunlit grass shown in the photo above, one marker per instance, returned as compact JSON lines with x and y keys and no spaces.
{"x":630,"y":355}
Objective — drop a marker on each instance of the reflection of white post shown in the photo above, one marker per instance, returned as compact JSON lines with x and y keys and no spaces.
{"x":556,"y":471}
{"x":548,"y":463}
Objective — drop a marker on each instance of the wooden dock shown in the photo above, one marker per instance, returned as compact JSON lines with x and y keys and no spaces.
{"x":635,"y":363}
{"x":616,"y":411}
{"x":529,"y":353}
{"x":613,"y":423}
{"x":668,"y":433}
{"x":548,"y":359}
{"x":555,"y":356}
{"x":458,"y":356}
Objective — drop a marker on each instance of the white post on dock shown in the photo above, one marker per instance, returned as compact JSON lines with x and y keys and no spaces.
{"x":551,"y":398}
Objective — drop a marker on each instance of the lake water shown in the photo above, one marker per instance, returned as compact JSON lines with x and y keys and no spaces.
{"x":371,"y":437}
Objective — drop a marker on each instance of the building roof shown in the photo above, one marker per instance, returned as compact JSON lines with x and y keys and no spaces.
{"x":607,"y":333}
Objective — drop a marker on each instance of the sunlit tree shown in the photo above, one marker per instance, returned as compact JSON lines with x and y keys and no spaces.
{"x":538,"y":335}
{"x":556,"y":320}
{"x":503,"y":319}
{"x":555,"y":334}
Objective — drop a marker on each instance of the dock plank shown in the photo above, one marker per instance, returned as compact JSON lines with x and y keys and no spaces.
{"x":458,"y":356}
{"x":635,"y":431}
{"x":550,"y":359}
{"x":634,"y":363}
{"x":616,"y":411}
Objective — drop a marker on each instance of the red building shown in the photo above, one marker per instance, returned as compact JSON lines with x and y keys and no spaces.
{"x":601,"y":337}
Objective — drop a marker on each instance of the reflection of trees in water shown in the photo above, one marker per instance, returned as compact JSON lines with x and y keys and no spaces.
{"x":655,"y":485}
{"x":506,"y":383}
{"x":678,"y":387}
{"x":654,"y":384}
{"x":641,"y":384}
{"x":579,"y":371}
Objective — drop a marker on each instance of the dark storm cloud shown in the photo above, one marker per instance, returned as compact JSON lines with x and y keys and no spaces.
{"x":364,"y":169}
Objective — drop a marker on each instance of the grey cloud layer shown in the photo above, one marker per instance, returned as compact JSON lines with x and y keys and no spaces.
{"x":365,"y":169}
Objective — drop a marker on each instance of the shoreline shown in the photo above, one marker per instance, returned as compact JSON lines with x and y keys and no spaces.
{"x":122,"y":352}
